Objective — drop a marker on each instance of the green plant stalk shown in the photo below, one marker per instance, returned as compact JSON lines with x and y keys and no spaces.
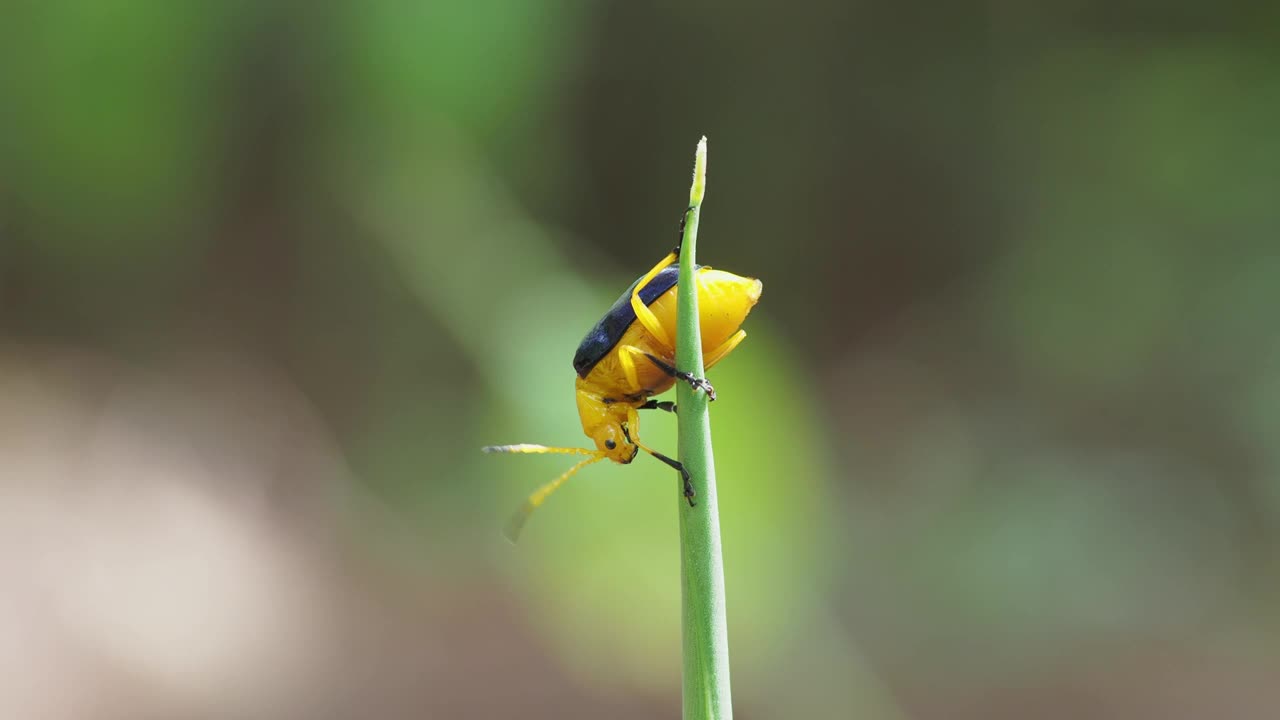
{"x":706,"y":636}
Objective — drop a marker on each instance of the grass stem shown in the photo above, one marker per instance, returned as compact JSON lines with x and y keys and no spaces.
{"x":706,"y":638}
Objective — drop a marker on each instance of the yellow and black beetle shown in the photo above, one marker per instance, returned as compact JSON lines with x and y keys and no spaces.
{"x":630,"y":356}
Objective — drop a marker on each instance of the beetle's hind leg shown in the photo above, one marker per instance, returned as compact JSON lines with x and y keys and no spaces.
{"x":696,"y":382}
{"x":642,"y":311}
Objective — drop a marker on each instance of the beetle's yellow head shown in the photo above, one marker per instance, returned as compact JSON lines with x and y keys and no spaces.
{"x":603,"y":422}
{"x":612,"y":440}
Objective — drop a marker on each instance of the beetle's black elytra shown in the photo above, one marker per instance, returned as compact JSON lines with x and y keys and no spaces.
{"x":606,"y":333}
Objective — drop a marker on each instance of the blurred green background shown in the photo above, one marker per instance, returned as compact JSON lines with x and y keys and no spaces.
{"x":1001,"y":443}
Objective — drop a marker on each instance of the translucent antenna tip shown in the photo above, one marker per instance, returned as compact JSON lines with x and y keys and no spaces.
{"x":515,"y":524}
{"x":518,"y":448}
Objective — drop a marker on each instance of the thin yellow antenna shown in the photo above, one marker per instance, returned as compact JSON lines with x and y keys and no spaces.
{"x":514,"y":525}
{"x":528,"y":448}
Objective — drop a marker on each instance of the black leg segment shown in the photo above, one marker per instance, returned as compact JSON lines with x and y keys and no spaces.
{"x":684,"y":475}
{"x":696,"y":382}
{"x":684,"y":218}
{"x":666,"y":405}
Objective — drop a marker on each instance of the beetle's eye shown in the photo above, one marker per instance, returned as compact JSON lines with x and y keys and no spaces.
{"x":610,"y":444}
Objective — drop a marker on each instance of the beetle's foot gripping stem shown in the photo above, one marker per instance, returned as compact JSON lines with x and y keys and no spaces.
{"x":666,"y":405}
{"x":696,"y":382}
{"x":684,"y":475}
{"x":679,"y":466}
{"x":684,"y":221}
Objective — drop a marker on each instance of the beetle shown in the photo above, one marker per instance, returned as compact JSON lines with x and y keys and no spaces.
{"x":629,"y":356}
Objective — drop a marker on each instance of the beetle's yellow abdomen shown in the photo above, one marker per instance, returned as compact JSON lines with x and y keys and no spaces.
{"x":724,"y":300}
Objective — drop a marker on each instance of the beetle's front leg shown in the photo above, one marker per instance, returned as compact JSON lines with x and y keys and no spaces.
{"x":633,"y":423}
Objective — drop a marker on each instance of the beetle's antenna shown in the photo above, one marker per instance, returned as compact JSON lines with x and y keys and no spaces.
{"x":529,"y":448}
{"x":516,"y":523}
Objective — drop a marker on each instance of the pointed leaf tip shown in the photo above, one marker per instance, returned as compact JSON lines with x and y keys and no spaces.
{"x":699,"y":187}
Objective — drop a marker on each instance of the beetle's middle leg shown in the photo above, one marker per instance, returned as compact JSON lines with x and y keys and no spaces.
{"x":626,"y":358}
{"x":696,"y":382}
{"x":656,"y":405}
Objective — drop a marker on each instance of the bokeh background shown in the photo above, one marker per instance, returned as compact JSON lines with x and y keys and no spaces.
{"x":1001,"y":443}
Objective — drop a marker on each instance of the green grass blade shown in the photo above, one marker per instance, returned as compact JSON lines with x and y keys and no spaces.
{"x":706,"y":638}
